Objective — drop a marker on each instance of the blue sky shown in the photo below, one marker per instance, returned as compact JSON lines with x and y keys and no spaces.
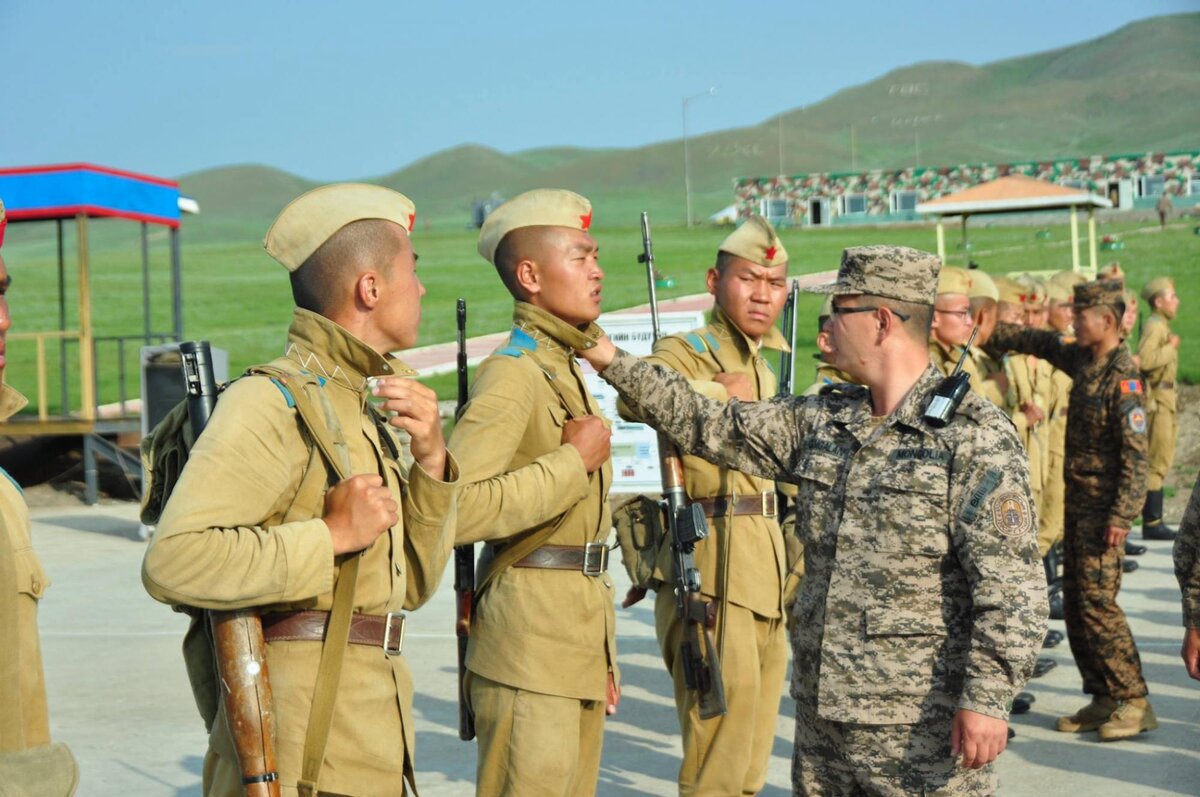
{"x":357,"y":89}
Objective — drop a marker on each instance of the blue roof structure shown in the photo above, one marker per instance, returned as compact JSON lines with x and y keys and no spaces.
{"x":68,"y":190}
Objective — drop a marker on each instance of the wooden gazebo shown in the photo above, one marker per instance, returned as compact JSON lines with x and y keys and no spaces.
{"x":1017,"y":193}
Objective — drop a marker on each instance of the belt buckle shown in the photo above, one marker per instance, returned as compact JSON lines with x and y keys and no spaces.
{"x":393,"y":640}
{"x":770,"y":504}
{"x":600,"y":559}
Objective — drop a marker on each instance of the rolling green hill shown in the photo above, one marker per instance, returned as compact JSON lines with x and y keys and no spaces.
{"x":1134,"y":90}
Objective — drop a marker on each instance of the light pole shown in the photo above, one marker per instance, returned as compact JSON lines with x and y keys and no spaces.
{"x":687,"y":170}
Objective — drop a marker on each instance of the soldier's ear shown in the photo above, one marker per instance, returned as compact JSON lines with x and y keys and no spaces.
{"x":527,"y":276}
{"x":367,"y":289}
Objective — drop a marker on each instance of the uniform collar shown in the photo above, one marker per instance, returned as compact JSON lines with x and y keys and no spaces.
{"x":551,"y":332}
{"x":318,"y":344}
{"x":11,"y":402}
{"x":858,"y":418}
{"x":723,"y":326}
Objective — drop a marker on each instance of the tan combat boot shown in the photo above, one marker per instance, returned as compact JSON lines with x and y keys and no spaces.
{"x":1090,"y":717}
{"x":1131,"y":718}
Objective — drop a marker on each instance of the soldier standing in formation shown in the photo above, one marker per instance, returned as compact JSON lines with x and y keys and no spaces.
{"x":742,"y":562}
{"x":1187,"y":571}
{"x":251,"y":522}
{"x":534,"y":448}
{"x":952,"y":321}
{"x":1158,"y":357}
{"x":983,"y":296}
{"x":1105,"y":471}
{"x":923,"y":606}
{"x":29,"y":764}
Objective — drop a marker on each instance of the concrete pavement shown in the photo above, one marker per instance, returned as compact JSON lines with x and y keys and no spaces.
{"x":119,"y":695}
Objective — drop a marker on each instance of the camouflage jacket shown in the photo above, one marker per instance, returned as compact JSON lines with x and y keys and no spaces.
{"x":923,"y":583}
{"x":1106,"y":450}
{"x":1187,"y":559}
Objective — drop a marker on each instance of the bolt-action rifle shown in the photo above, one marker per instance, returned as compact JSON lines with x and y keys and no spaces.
{"x":686,"y":526}
{"x":464,"y":557}
{"x":241,"y":651}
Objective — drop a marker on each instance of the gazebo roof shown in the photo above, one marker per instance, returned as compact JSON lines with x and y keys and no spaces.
{"x":66,"y":190}
{"x":1010,"y":194}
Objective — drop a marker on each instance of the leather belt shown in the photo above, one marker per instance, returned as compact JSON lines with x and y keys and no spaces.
{"x":386,"y":631}
{"x":590,"y":559}
{"x":764,"y":503}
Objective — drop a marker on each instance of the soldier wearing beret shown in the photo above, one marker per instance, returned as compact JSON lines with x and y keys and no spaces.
{"x":745,"y":563}
{"x":253,"y":521}
{"x":534,"y":448}
{"x":29,"y":763}
{"x":1105,"y":474}
{"x":1158,"y":357}
{"x":1187,"y":571}
{"x":923,"y":605}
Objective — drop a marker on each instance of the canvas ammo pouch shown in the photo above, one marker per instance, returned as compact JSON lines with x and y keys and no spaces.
{"x":641,"y":527}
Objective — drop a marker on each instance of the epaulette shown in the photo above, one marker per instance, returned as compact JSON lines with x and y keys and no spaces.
{"x":844,"y":390}
{"x":702,"y":343}
{"x":519,"y":342}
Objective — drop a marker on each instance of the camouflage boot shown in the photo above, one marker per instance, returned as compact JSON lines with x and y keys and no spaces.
{"x":1131,"y":718}
{"x":1090,"y":717}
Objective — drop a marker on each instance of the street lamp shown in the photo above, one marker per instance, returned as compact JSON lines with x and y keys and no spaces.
{"x":687,"y":171}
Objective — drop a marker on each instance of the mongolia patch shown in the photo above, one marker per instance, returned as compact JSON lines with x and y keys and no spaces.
{"x":1131,"y":387}
{"x":1137,"y":420}
{"x":1011,"y":515}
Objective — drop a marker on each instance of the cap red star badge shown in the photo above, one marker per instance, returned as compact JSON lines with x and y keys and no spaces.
{"x":771,"y":250}
{"x":585,"y":220}
{"x":412,"y":219}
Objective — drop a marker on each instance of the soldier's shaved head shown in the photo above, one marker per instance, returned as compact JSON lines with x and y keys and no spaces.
{"x":524,"y":243}
{"x":325,"y":281}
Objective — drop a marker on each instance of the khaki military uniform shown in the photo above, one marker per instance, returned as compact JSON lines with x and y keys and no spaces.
{"x":923,"y":590}
{"x":243,"y":528}
{"x":23,"y":719}
{"x":1187,"y":559}
{"x":980,"y":366}
{"x":1029,"y":380}
{"x":1105,"y":475}
{"x":1159,"y":361}
{"x":742,"y":565}
{"x":1053,"y":508}
{"x":542,"y":641}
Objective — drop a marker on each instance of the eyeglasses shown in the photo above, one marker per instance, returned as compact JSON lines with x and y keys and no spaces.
{"x":867,"y":309}
{"x":962,"y":314}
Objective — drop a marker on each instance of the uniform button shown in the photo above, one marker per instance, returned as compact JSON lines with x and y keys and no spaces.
{"x":37,"y":585}
{"x":399,"y":570}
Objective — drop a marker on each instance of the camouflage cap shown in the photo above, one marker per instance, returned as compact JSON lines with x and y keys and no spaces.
{"x":312,"y":218}
{"x":953,"y":279}
{"x":893,"y":272}
{"x":3,"y":223}
{"x":1009,"y":290}
{"x":756,"y":241}
{"x":1152,"y":288}
{"x":1101,"y":292}
{"x":541,"y":207}
{"x":983,"y":286}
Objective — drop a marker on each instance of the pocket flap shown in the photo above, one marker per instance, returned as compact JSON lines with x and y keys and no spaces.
{"x":31,"y":578}
{"x":893,"y":621}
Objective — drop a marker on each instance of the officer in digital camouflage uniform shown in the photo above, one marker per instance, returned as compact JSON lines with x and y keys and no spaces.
{"x":252,"y":521}
{"x":1158,"y":357}
{"x":29,"y":764}
{"x":744,"y":561}
{"x":534,"y":450}
{"x":923,"y":605}
{"x":1187,"y":571}
{"x":1105,"y":472}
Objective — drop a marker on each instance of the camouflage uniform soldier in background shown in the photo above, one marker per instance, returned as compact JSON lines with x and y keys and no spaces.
{"x":923,"y":604}
{"x":744,"y":560}
{"x":1187,"y":571}
{"x":1158,"y":357}
{"x":1105,"y":473}
{"x":534,"y":448}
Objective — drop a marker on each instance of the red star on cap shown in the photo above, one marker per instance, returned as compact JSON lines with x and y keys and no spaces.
{"x":771,"y":252}
{"x":586,"y":220}
{"x":412,"y":219}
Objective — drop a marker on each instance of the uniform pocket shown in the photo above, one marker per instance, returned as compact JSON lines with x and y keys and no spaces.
{"x":904,"y":650}
{"x":557,"y":414}
{"x":911,"y":510}
{"x":31,"y":578}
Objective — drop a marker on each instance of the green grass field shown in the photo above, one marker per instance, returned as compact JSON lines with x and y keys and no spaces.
{"x":236,"y":297}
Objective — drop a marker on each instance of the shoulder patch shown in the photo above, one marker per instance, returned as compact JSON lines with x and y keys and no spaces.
{"x":1137,"y":420}
{"x":1131,"y":387}
{"x":519,"y":342}
{"x":712,"y":341}
{"x":987,"y":485}
{"x":696,"y":342}
{"x":287,"y":394}
{"x":1011,"y":515}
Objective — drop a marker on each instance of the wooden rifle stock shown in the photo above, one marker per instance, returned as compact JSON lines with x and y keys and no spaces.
{"x":239,"y":647}
{"x":686,"y":526}
{"x":464,"y":558}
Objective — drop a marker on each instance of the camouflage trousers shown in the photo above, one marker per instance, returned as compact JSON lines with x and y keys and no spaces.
{"x":843,"y":759}
{"x":1101,"y":641}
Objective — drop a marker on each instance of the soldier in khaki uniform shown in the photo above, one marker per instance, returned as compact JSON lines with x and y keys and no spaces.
{"x":1158,"y":357}
{"x":952,"y":322}
{"x":986,"y":373}
{"x":251,"y":523}
{"x":742,"y":562}
{"x":29,"y":763}
{"x":534,"y":448}
{"x":923,"y":604}
{"x":1059,"y":318}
